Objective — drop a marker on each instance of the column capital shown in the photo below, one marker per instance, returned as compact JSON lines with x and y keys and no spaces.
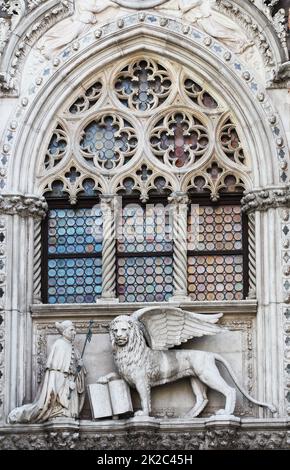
{"x":24,"y":205}
{"x":269,"y":197}
{"x":178,"y":197}
{"x":109,"y":202}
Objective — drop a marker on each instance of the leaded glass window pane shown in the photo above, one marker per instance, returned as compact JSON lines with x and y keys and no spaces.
{"x":74,"y":262}
{"x":145,"y":266}
{"x":216,"y":254}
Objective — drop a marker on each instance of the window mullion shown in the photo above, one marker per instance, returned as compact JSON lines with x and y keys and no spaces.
{"x":109,"y":209}
{"x":179,"y":210}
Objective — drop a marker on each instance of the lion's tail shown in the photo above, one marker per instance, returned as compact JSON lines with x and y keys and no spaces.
{"x":219,"y":358}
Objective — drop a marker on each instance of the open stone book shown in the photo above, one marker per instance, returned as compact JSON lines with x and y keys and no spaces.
{"x":110,"y":399}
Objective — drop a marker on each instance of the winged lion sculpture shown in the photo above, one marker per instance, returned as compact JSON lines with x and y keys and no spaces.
{"x":140,"y":348}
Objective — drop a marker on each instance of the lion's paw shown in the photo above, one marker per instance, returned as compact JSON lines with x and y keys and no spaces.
{"x":102,"y":380}
{"x":140,"y":413}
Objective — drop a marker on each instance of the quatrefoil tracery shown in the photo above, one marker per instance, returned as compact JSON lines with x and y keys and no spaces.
{"x":108,"y":142}
{"x":179,"y":139}
{"x":175,"y":137}
{"x":143,"y":85}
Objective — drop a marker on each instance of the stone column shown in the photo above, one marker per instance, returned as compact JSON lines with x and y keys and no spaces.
{"x":267,"y":206}
{"x":252,"y":255}
{"x":179,"y":202}
{"x":19,"y":214}
{"x":109,"y":207}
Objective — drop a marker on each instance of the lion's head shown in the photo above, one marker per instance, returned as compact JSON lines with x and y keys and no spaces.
{"x":120,"y":330}
{"x":127,"y":340}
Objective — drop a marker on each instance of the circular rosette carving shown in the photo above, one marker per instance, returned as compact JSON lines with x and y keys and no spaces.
{"x":143,"y":85}
{"x":108,"y":142}
{"x":179,"y":139}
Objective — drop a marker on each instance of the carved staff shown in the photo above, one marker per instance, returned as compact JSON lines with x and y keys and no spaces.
{"x":88,"y":340}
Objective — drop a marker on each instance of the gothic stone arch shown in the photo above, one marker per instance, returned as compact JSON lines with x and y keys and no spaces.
{"x":22,"y":205}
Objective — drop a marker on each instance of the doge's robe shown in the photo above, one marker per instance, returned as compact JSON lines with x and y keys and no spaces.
{"x":62,"y":390}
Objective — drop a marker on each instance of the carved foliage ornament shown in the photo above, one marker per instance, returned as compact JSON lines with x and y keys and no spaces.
{"x":266,"y":198}
{"x":23,"y":205}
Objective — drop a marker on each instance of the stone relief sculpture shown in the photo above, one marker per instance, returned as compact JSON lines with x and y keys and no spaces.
{"x":70,"y":29}
{"x":198,"y":12}
{"x":201,"y":14}
{"x":62,"y":391}
{"x":15,"y":10}
{"x":140,"y":343}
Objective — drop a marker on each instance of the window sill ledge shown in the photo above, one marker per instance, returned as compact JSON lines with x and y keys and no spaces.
{"x":103,"y":310}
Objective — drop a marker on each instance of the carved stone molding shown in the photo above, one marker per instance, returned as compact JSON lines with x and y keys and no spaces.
{"x":3,"y":290}
{"x":23,"y":205}
{"x":266,"y":198}
{"x":198,"y":435}
{"x":282,"y":77}
{"x":31,"y":4}
{"x":24,"y":36}
{"x":285,"y":230}
{"x":249,"y":25}
{"x":140,"y":4}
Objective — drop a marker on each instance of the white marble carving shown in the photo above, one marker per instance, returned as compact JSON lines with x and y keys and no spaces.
{"x":62,"y":390}
{"x":15,"y":10}
{"x":111,"y":399}
{"x":139,"y":4}
{"x":70,"y":29}
{"x":201,"y":14}
{"x":145,"y":366}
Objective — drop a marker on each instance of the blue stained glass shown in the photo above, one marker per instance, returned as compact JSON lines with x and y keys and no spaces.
{"x":66,"y":231}
{"x":144,"y":230}
{"x":137,"y":284}
{"x":68,"y":285}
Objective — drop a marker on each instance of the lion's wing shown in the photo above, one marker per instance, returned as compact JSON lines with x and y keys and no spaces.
{"x":170,"y":326}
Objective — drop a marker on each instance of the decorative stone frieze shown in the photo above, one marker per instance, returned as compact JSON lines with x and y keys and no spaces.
{"x":267,"y":198}
{"x":204,"y":435}
{"x":3,"y":289}
{"x":23,"y":205}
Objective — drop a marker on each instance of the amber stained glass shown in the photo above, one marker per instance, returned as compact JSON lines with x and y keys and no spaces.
{"x":215,"y":256}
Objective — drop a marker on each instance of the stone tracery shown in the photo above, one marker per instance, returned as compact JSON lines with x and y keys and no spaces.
{"x":214,"y":167}
{"x":109,"y":141}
